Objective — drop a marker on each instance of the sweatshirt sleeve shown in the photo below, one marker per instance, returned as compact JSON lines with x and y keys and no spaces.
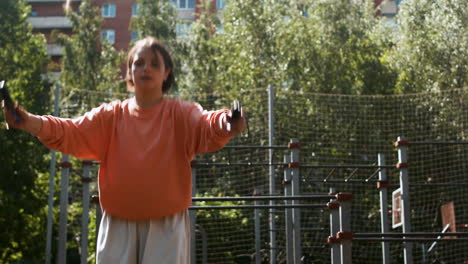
{"x":85,"y":137}
{"x":205,"y":132}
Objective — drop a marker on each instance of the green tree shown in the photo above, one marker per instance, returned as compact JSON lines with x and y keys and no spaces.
{"x":88,"y":63}
{"x":201,"y":66}
{"x":345,"y":58}
{"x":23,"y":185}
{"x":431,"y":46}
{"x":249,"y":57}
{"x":159,"y":18}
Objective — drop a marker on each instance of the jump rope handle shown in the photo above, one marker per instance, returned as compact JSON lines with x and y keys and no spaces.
{"x":235,"y":113}
{"x":236,"y":110}
{"x":9,"y":103}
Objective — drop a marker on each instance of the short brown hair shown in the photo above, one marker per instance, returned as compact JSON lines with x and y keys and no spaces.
{"x":156,"y":47}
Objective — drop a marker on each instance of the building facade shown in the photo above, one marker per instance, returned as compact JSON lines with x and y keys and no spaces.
{"x":49,"y":15}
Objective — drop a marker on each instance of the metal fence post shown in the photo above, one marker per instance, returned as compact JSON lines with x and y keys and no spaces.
{"x":271,"y":141}
{"x":294,"y":165}
{"x":402,"y":165}
{"x":95,"y":200}
{"x":345,"y":234}
{"x":258,"y":248}
{"x":85,"y":179}
{"x":192,"y":214}
{"x":204,"y":239}
{"x":50,"y":202}
{"x":62,"y":243}
{"x":288,"y":212}
{"x":334,"y":207}
{"x":382,"y":186}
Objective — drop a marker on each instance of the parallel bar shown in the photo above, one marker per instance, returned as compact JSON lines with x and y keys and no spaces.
{"x":255,"y":147}
{"x":228,"y":164}
{"x":280,"y":206}
{"x":379,"y":239}
{"x":264,"y":198}
{"x":438,"y":142}
{"x":342,"y":180}
{"x":412,"y":234}
{"x":280,"y":164}
{"x":348,"y":166}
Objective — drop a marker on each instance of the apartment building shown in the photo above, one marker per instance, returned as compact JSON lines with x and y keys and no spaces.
{"x":48,"y":15}
{"x":388,"y":9}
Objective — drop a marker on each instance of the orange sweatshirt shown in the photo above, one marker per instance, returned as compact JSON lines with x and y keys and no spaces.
{"x":145,"y":154}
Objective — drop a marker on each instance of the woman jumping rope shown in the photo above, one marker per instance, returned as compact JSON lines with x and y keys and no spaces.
{"x":144,"y":145}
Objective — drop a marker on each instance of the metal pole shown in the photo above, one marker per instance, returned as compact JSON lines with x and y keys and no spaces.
{"x":62,"y":246}
{"x":95,"y":199}
{"x":192,"y":214}
{"x":296,"y":211}
{"x":383,"y":182}
{"x":50,"y":203}
{"x":288,"y":217}
{"x":345,"y":227}
{"x":85,"y":218}
{"x":405,"y":198}
{"x":258,"y":256}
{"x":334,"y":228}
{"x":204,"y":244}
{"x":271,"y":142}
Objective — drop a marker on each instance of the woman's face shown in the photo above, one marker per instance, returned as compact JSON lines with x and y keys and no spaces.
{"x":148,"y":70}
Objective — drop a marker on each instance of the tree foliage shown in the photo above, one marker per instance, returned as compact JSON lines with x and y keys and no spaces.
{"x":88,"y":63}
{"x":200,"y":63}
{"x":158,"y":18}
{"x":23,"y":190}
{"x":301,"y":46}
{"x":430,"y":50}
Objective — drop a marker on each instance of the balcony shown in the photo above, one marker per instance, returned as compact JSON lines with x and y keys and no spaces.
{"x":186,"y":14}
{"x":388,"y":8}
{"x":54,"y":50}
{"x":49,"y":1}
{"x":50,"y":22}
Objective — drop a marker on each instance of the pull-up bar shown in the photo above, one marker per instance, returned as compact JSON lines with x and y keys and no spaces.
{"x":266,"y":198}
{"x":197,"y":164}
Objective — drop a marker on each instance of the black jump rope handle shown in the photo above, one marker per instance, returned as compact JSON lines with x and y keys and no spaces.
{"x":9,"y":103}
{"x":235,"y":111}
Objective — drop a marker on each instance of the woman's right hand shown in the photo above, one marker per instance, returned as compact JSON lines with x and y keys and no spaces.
{"x":26,"y":121}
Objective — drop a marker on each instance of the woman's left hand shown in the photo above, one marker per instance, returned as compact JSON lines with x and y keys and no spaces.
{"x":237,"y":125}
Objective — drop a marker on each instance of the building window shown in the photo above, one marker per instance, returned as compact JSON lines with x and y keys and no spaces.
{"x":33,"y":13}
{"x":135,"y":9}
{"x":220,"y":4}
{"x":134,"y":36}
{"x":183,"y":28}
{"x":108,"y":35}
{"x":108,"y":10}
{"x":219,"y":29}
{"x":184,"y":4}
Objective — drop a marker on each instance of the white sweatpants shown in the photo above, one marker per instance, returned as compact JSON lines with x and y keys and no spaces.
{"x":161,"y":241}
